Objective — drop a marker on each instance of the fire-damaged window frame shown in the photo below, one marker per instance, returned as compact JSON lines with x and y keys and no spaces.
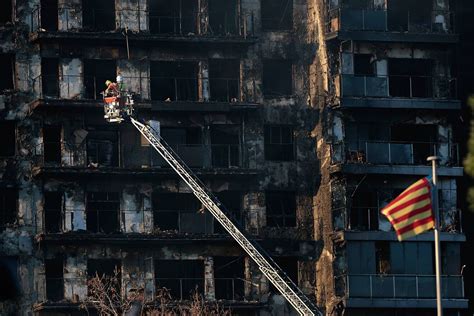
{"x":7,"y":75}
{"x":8,"y":207}
{"x":281,"y":69}
{"x":280,"y":208}
{"x":278,"y":149}
{"x":178,"y":21}
{"x":99,"y":19}
{"x":185,"y":275}
{"x":277,"y":15}
{"x":93,"y":214}
{"x":8,"y":132}
{"x":54,"y":277}
{"x":229,"y":278}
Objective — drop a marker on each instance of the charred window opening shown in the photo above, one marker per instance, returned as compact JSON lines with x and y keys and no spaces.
{"x":49,"y":15}
{"x":232,"y":201}
{"x":6,"y":12}
{"x":281,"y":208}
{"x":103,"y":212}
{"x":181,"y":277}
{"x":102,"y":149}
{"x":52,"y":144}
{"x":407,"y":15}
{"x":289,"y":265}
{"x":7,"y":64}
{"x":50,"y":77}
{"x":410,"y":78}
{"x":421,"y":138}
{"x":382,"y":257}
{"x":279,"y":143}
{"x":174,"y":81}
{"x":108,"y":270}
{"x":8,"y":207}
{"x":277,"y":15}
{"x":224,"y":80}
{"x":363,"y":65}
{"x":364,"y":211}
{"x":53,"y":211}
{"x":277,"y":78}
{"x":173,"y":17}
{"x":187,"y":143}
{"x":223,"y":18}
{"x":54,"y":279}
{"x":9,"y":281}
{"x":98,"y":15}
{"x":8,"y":132}
{"x":229,"y":278}
{"x":96,"y":73}
{"x":225,"y":146}
{"x":180,"y":212}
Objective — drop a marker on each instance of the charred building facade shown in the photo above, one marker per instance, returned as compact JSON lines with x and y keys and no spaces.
{"x":305,"y":117}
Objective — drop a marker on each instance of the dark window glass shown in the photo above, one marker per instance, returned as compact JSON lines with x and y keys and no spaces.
{"x":279,"y":143}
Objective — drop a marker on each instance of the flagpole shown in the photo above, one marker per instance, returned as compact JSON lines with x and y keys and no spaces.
{"x":439,"y":307}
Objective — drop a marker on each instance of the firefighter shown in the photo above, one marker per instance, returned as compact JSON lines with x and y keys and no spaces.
{"x":112,"y":89}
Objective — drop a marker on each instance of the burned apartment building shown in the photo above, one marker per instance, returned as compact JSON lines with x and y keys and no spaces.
{"x":304,"y":117}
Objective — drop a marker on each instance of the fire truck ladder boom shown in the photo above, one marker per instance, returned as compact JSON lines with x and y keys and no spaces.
{"x":267,"y":265}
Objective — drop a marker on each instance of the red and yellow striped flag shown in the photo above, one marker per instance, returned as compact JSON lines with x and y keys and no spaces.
{"x":411,"y":212}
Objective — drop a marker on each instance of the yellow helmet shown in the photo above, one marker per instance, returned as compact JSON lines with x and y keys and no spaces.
{"x":108,"y":82}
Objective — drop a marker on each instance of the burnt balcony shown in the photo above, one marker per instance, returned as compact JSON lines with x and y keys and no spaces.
{"x":161,"y":94}
{"x":398,"y":91}
{"x":141,"y":27}
{"x":386,"y":289}
{"x":385,"y":157}
{"x":347,"y":23}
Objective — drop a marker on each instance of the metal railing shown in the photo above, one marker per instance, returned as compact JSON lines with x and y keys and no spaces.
{"x":433,"y":87}
{"x":403,"y":286}
{"x":184,"y":221}
{"x":347,"y":19}
{"x":181,"y":288}
{"x":224,"y":89}
{"x":402,"y":153}
{"x":184,"y":25}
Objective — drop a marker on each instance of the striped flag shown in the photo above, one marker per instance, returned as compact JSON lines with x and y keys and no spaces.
{"x":411,"y":213}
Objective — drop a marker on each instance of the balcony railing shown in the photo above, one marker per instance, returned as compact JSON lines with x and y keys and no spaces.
{"x":166,"y":89}
{"x":97,"y":154}
{"x":431,"y":87}
{"x":403,"y":286}
{"x":401,"y":153}
{"x":347,"y":19}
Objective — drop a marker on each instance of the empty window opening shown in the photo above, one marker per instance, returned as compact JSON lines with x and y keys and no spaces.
{"x":411,"y":16}
{"x":224,"y":80}
{"x":382,"y":257}
{"x":181,"y":212}
{"x":98,"y":15}
{"x":108,"y":270}
{"x":8,"y":143}
{"x":187,"y":143}
{"x":103,"y":212}
{"x":9,"y":281}
{"x":410,"y":78}
{"x":6,"y":12}
{"x":49,"y":15}
{"x":174,"y":81}
{"x":52,"y":144}
{"x":421,"y":140}
{"x":173,"y":17}
{"x":50,"y":77}
{"x":223,"y":18}
{"x":102,"y":149}
{"x":229,"y":278}
{"x":364,"y":211}
{"x":8,"y":207}
{"x":232,"y":201}
{"x":54,"y":278}
{"x":281,"y":208}
{"x":289,"y":265}
{"x":277,"y":15}
{"x":363,"y":65}
{"x":96,"y":73}
{"x":279,"y":143}
{"x":7,"y":64}
{"x":277,"y":78}
{"x":225,"y":146}
{"x":181,"y":277}
{"x":53,"y":203}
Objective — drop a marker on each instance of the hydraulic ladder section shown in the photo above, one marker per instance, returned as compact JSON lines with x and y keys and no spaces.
{"x":266,"y":264}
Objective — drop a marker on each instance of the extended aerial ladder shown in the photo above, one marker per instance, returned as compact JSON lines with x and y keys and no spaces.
{"x":120,"y":108}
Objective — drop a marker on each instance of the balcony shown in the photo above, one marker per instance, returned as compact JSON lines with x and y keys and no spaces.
{"x":185,"y":94}
{"x":392,"y":92}
{"x":388,"y":26}
{"x":382,"y":157}
{"x":142,"y":27}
